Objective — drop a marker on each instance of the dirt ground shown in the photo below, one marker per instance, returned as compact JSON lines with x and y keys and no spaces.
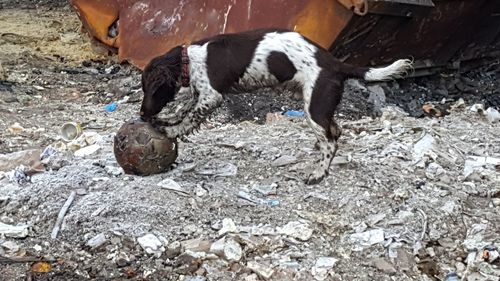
{"x":408,"y":197}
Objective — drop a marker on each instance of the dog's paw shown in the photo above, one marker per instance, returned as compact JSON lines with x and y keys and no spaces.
{"x":315,"y":178}
{"x":163,"y":122}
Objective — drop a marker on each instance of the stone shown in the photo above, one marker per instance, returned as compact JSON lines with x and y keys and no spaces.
{"x":87,"y":151}
{"x":170,"y":184}
{"x":151,"y":244}
{"x":196,"y":245}
{"x":367,"y":238}
{"x":10,"y":246}
{"x":122,"y":259}
{"x":262,"y":271}
{"x":433,"y":171}
{"x":284,"y":160}
{"x":492,"y":115}
{"x":297,"y":229}
{"x":29,"y":158}
{"x":232,"y":251}
{"x":384,"y":266}
{"x":322,"y":266}
{"x":228,"y":226}
{"x":14,"y":231}
{"x":96,"y":241}
{"x":173,"y":249}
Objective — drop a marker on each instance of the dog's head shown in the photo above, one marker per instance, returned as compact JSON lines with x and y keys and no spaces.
{"x":160,"y":82}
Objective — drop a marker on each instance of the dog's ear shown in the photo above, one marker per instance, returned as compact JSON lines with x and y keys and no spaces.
{"x":159,"y":82}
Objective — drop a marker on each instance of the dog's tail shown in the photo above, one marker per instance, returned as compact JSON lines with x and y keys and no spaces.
{"x":397,"y":69}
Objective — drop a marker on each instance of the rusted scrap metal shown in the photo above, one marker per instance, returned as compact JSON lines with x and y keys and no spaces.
{"x":146,"y":28}
{"x":359,"y":31}
{"x":447,"y":32}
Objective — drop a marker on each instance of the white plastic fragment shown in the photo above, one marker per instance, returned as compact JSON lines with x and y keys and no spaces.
{"x":297,"y":229}
{"x":14,"y":231}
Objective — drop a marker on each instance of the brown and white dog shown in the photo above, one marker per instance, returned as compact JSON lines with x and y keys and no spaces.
{"x":248,"y":60}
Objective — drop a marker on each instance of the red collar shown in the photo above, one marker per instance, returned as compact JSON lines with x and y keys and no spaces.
{"x":185,"y":67}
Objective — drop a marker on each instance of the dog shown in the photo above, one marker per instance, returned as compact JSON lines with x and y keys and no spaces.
{"x":227,"y":63}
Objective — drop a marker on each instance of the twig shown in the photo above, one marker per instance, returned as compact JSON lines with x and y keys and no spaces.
{"x":18,"y":259}
{"x":424,"y":224}
{"x":61,"y":215}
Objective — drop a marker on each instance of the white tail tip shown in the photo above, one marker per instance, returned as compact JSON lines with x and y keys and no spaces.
{"x":397,"y":69}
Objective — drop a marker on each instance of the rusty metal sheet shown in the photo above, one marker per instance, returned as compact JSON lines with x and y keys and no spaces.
{"x":451,"y":30}
{"x":147,"y":28}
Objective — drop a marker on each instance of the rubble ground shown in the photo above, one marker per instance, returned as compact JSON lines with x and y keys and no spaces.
{"x":407,"y":198}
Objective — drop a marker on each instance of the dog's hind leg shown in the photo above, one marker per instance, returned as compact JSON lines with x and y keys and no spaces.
{"x":321,"y":105}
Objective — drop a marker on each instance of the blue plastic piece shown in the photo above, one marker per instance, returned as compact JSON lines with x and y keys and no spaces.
{"x":294,"y":113}
{"x":111,"y":107}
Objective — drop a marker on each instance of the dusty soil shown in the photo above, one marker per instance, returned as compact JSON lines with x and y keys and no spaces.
{"x":422,"y":217}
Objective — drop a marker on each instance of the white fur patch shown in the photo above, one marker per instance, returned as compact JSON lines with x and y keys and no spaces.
{"x":300,"y":52}
{"x":397,"y":69}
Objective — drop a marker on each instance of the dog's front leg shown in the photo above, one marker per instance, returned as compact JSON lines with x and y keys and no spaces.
{"x":208,"y":101}
{"x":179,"y":114}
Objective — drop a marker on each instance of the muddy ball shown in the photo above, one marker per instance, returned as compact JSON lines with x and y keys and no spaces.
{"x":142,"y":150}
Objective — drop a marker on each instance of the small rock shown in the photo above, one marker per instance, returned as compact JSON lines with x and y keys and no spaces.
{"x":460,"y":266}
{"x":196,"y":278}
{"x":173,"y":250}
{"x":422,"y":147}
{"x":322,"y":266}
{"x":274,"y":117}
{"x":14,"y":231}
{"x":3,"y":74}
{"x":384,"y":266}
{"x":114,"y":171}
{"x":253,"y":276}
{"x":297,"y":229}
{"x":29,"y":158}
{"x":170,"y":184}
{"x":228,"y":226}
{"x":200,"y":191}
{"x":187,"y":263}
{"x":88,"y":150}
{"x":197,"y":245}
{"x":479,"y":108}
{"x":97,"y":241}
{"x":16,"y":129}
{"x":10,"y":246}
{"x":232,"y":251}
{"x":264,"y":272}
{"x":367,"y":238}
{"x":492,"y":115}
{"x":151,"y":244}
{"x":448,"y":207}
{"x":122,"y":259}
{"x":284,"y":161}
{"x":218,"y":247}
{"x":496,"y":201}
{"x":433,"y":171}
